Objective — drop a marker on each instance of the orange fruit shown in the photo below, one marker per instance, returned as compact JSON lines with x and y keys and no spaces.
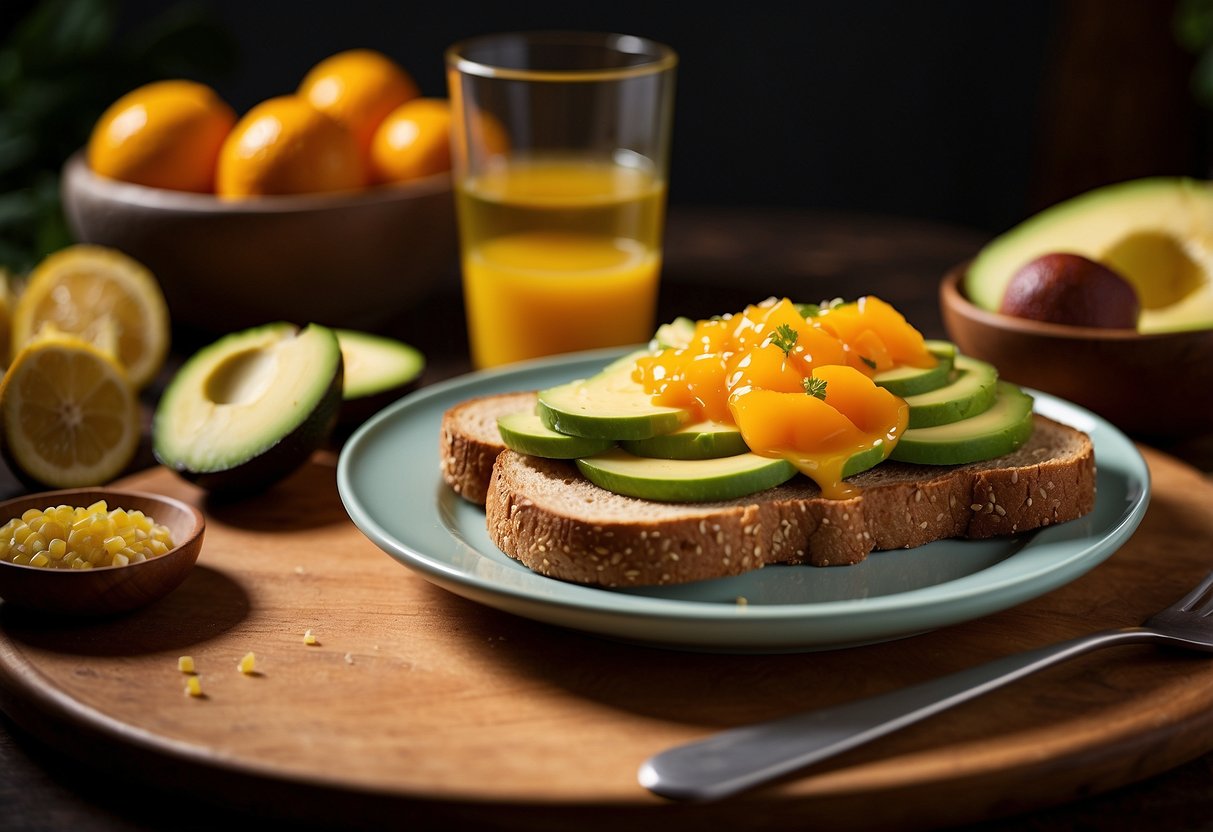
{"x":484,"y":137}
{"x":163,"y":135}
{"x":493,"y":136}
{"x":287,"y":146}
{"x":358,"y":88}
{"x":413,"y":141}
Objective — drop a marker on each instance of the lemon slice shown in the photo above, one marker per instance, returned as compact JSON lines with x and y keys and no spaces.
{"x":70,"y":415}
{"x":82,"y":289}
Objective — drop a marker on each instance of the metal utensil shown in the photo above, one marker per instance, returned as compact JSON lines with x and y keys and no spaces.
{"x":741,"y":758}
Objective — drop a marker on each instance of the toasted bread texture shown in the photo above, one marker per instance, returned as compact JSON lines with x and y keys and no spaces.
{"x":470,"y":441}
{"x":544,"y":514}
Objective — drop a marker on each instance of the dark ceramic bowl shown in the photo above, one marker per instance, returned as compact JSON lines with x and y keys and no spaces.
{"x":353,"y":260}
{"x":110,"y":589}
{"x":1159,"y":384}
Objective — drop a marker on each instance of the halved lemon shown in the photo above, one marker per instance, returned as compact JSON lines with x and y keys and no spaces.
{"x":84,"y":289}
{"x":70,"y":415}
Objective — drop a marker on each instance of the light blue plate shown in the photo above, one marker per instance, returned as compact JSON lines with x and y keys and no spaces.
{"x":389,"y":481}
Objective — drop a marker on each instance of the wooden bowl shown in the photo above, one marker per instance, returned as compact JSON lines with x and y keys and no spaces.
{"x":1160,"y":384}
{"x":353,"y":260}
{"x":109,"y":589}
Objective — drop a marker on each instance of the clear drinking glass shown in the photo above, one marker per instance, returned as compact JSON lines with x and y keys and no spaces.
{"x":561,"y":153}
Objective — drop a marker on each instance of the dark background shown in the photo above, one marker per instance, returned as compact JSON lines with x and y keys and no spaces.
{"x":973,"y":113}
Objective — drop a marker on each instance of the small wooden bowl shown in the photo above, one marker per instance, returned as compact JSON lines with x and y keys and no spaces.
{"x":110,"y":589}
{"x":356,"y":260}
{"x":1160,"y":384}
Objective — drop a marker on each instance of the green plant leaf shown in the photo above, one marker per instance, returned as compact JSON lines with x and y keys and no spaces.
{"x":1193,"y":24}
{"x":65,"y":31}
{"x":1202,"y":79}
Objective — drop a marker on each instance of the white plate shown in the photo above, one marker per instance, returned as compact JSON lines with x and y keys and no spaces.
{"x":389,"y":480}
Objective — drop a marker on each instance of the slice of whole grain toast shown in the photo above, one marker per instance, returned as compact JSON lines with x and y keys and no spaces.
{"x":543,"y":513}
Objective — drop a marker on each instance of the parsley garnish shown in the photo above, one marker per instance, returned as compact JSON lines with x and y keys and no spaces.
{"x":868,"y":361}
{"x":815,"y":387}
{"x":785,"y":338}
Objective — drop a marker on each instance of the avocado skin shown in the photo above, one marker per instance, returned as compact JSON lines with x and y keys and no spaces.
{"x":283,"y":457}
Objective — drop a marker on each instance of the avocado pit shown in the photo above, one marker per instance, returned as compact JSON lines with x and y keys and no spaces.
{"x":242,"y":378}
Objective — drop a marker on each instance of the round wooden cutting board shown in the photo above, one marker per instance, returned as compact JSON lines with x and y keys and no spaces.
{"x":416,"y":705}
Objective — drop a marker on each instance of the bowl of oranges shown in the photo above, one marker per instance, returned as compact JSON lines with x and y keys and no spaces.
{"x":331,"y":204}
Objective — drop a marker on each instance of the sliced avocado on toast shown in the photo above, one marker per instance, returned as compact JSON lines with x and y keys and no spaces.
{"x":960,"y":412}
{"x":701,"y":440}
{"x":609,"y":405}
{"x":969,"y":391}
{"x":685,"y":480}
{"x":525,"y":433}
{"x":910,"y":381}
{"x":998,"y":430}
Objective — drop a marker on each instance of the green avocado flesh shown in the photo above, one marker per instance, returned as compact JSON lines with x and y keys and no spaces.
{"x":701,"y":440}
{"x":378,"y":371}
{"x":375,"y":364}
{"x":525,"y":433}
{"x":250,"y":408}
{"x":609,"y":405}
{"x":697,"y":480}
{"x":909,"y":381}
{"x":970,"y":392}
{"x":960,"y":413}
{"x":675,"y":335}
{"x":998,"y":430}
{"x":863,"y":460}
{"x":1157,"y":233}
{"x":684,"y":480}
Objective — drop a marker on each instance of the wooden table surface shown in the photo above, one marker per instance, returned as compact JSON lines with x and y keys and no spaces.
{"x":716,"y":260}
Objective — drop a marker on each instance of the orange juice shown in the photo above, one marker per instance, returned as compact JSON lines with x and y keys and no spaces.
{"x":559,"y":255}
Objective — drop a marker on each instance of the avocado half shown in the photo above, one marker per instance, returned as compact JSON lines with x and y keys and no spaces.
{"x":1157,"y":233}
{"x":247,"y":410}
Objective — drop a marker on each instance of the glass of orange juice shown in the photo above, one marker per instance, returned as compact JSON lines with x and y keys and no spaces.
{"x":560,"y":153}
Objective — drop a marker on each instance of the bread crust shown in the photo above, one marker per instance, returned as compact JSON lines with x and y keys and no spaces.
{"x":469,"y":441}
{"x":544,"y":514}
